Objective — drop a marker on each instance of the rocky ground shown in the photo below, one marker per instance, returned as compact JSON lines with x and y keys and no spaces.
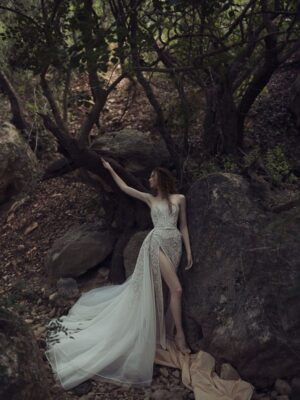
{"x":28,"y":228}
{"x":27,"y":231}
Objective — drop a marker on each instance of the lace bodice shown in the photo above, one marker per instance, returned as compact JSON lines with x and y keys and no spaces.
{"x":83,"y":343}
{"x":161,"y":216}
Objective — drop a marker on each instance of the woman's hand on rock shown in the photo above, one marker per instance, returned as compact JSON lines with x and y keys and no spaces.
{"x":106,"y":164}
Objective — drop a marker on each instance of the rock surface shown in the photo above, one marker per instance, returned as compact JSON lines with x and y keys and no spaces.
{"x":79,"y":249}
{"x":67,"y":287}
{"x":136,"y":150}
{"x":22,"y":374}
{"x":295,"y":95}
{"x":242,"y":302}
{"x":18,"y":164}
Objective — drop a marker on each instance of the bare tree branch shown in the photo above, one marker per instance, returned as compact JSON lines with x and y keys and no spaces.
{"x":21,"y":14}
{"x":18,"y":118}
{"x":49,"y":96}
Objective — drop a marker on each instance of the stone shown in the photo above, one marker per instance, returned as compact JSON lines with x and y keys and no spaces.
{"x":176,"y":373}
{"x":295,"y":100}
{"x":164,"y":372}
{"x":54,"y":296}
{"x":38,"y":332}
{"x":260,"y":396}
{"x":161,"y":394}
{"x":251,"y":257}
{"x":79,"y":249}
{"x":295,"y":384}
{"x":52,"y":313}
{"x":82,"y":389}
{"x":23,"y":375}
{"x":103,"y":272}
{"x":228,"y":372}
{"x":282,"y":387}
{"x":19,"y":168}
{"x":67,"y":287}
{"x":31,"y":228}
{"x":137,"y":151}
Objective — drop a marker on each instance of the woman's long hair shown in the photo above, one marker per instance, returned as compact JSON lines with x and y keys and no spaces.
{"x":166,"y":183}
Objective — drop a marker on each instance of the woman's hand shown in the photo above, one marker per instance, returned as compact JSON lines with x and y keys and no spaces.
{"x":189,"y":262}
{"x":106,"y":164}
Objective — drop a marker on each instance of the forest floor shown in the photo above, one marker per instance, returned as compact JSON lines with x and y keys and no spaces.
{"x":29,"y":226}
{"x":28,"y":231}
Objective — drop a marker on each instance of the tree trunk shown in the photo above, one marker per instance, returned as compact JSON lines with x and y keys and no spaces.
{"x":131,"y":214}
{"x":220,"y":134}
{"x":18,"y":118}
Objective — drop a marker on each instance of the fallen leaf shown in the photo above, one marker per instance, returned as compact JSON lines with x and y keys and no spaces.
{"x":31,"y":228}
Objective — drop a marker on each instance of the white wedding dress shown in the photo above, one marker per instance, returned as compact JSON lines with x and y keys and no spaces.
{"x":112,"y":332}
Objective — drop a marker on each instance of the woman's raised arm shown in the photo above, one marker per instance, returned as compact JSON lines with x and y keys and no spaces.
{"x":143,"y":196}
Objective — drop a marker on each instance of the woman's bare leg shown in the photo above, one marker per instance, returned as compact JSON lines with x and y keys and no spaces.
{"x":171,"y":279}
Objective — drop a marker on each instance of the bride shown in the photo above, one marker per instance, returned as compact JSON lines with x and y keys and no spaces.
{"x":112,"y":332}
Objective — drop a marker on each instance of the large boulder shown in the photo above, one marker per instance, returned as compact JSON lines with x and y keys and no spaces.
{"x":295,"y":99}
{"x":79,"y":249}
{"x":18,"y":164}
{"x":22,"y":374}
{"x":242,"y":296}
{"x":137,"y":151}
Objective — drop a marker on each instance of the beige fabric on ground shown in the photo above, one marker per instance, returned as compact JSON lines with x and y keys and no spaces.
{"x":198,"y":375}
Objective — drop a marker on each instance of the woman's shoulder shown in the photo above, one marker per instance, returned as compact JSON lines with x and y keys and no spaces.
{"x":177,"y":197}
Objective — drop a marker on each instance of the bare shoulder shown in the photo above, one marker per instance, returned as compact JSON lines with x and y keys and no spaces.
{"x":178,"y":198}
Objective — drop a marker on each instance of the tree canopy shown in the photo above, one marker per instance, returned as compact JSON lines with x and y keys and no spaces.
{"x":229,"y":49}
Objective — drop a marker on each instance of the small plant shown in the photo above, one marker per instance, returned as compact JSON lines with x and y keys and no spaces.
{"x":251,"y":157}
{"x":292,"y":178}
{"x":199,"y":171}
{"x":277,"y":164}
{"x":230,"y":165}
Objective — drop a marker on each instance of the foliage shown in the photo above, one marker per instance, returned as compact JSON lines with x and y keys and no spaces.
{"x":228,"y":49}
{"x":46,"y":36}
{"x":252,"y":156}
{"x":200,"y":171}
{"x":230,"y":164}
{"x":277,"y":164}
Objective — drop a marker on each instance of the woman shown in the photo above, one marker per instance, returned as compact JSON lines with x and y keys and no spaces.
{"x":112,"y":332}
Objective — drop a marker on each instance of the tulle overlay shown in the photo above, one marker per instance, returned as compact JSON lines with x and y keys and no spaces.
{"x":112,"y":332}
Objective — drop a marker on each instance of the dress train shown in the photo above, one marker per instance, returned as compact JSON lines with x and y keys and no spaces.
{"x":112,"y":332}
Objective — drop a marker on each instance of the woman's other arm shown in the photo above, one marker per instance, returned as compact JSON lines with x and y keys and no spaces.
{"x":143,"y":196}
{"x":185,"y":232}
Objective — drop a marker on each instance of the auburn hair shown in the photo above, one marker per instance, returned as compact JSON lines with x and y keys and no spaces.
{"x":166,"y":184}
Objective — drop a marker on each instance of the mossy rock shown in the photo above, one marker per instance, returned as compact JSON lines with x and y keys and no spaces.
{"x":22,"y":375}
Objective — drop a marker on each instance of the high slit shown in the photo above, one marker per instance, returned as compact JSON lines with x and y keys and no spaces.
{"x":112,"y":332}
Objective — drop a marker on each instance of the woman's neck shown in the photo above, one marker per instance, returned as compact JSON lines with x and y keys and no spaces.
{"x":159,"y":195}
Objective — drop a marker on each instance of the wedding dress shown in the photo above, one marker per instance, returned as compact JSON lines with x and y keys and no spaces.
{"x":112,"y":332}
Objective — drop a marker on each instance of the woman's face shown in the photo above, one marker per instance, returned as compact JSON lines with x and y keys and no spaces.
{"x":153,"y":180}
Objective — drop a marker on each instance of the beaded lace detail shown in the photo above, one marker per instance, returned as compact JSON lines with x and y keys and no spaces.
{"x":113,"y":331}
{"x":166,"y":237}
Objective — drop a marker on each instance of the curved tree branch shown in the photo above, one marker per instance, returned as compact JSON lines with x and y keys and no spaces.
{"x":18,"y":118}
